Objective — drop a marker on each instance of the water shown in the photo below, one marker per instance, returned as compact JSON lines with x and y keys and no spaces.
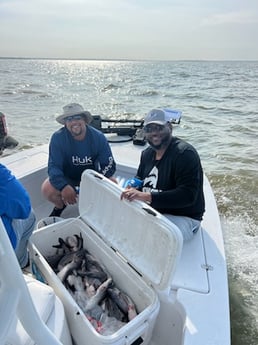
{"x":219,"y":101}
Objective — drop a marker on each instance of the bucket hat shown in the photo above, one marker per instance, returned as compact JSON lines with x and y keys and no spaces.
{"x":73,"y":109}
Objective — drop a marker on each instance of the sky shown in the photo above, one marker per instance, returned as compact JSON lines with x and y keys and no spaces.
{"x":130,"y":29}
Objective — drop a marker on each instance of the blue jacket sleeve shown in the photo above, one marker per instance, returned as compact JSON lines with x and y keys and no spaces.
{"x":107,"y":165}
{"x":55,"y":163}
{"x":14,"y":201}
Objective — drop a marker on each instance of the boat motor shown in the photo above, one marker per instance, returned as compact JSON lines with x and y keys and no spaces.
{"x":124,"y":128}
{"x":129,"y":129}
{"x":6,"y":141}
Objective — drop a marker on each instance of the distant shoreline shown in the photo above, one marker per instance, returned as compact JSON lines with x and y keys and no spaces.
{"x":106,"y":59}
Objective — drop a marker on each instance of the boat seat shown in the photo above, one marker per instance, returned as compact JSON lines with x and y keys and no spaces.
{"x":49,"y":308}
{"x":191,"y":273}
{"x":30,"y":312}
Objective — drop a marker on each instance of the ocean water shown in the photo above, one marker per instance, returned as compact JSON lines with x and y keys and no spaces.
{"x":219,"y":101}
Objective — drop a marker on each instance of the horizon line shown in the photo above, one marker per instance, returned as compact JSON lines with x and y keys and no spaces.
{"x":119,"y":59}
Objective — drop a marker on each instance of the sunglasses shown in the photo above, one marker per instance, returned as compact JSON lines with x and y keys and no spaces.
{"x":153,"y":128}
{"x":73,"y":117}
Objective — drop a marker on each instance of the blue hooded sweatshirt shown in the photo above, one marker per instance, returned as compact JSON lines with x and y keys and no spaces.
{"x":68,"y":158}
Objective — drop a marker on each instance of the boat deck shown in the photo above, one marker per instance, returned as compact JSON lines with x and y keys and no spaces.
{"x":191,"y":273}
{"x":200,"y":278}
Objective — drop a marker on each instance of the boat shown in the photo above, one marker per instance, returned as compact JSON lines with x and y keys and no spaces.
{"x":191,"y":308}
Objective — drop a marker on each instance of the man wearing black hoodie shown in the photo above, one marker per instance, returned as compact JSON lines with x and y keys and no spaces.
{"x":171,"y":174}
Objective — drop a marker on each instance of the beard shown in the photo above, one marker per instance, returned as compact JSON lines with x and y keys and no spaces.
{"x":164,"y":142}
{"x":77,"y":130}
{"x":76,"y":133}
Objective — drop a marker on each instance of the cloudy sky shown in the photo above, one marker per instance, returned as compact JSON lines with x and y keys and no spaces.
{"x":130,"y":29}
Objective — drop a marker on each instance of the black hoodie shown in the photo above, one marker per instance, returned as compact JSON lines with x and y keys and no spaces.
{"x":175,"y":181}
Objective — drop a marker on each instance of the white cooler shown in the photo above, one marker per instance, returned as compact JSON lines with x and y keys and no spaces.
{"x":139,"y":248}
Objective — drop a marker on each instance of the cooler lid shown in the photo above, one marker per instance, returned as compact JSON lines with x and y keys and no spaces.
{"x":143,"y":237}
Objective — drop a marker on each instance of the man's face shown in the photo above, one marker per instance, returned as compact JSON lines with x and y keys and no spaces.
{"x":76,"y":125}
{"x":158,"y":136}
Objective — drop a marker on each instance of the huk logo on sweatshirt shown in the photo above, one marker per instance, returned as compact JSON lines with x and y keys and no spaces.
{"x":82,"y":161}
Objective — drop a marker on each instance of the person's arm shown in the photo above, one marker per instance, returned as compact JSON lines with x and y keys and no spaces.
{"x":56,"y":162}
{"x":14,"y":199}
{"x":133,"y":186}
{"x":188,"y":177}
{"x":105,"y":159}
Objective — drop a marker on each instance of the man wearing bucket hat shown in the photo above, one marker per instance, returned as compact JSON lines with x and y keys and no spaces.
{"x":171,"y":175}
{"x":73,"y":148}
{"x":16,"y":213}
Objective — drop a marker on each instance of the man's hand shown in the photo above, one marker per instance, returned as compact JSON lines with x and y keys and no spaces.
{"x":68,"y":195}
{"x":134,"y":194}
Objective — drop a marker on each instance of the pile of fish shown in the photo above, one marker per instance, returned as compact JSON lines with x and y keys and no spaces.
{"x":91,"y":286}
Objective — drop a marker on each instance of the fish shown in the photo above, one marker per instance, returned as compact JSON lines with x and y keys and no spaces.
{"x":91,"y":285}
{"x":62,"y":245}
{"x":95,"y":312}
{"x":94,"y":300}
{"x":111,"y":308}
{"x":132,"y":313}
{"x":90,"y":289}
{"x":71,"y":244}
{"x":92,"y":263}
{"x":53,"y":260}
{"x":74,"y":242}
{"x":118,"y":297}
{"x":76,"y":282}
{"x":123,"y":301}
{"x":94,"y":273}
{"x":68,"y":269}
{"x":67,"y":258}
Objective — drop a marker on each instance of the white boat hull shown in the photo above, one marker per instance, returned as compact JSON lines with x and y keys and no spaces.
{"x":195,"y":310}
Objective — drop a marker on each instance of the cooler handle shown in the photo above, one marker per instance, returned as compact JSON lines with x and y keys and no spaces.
{"x":139,"y":334}
{"x":150,"y":211}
